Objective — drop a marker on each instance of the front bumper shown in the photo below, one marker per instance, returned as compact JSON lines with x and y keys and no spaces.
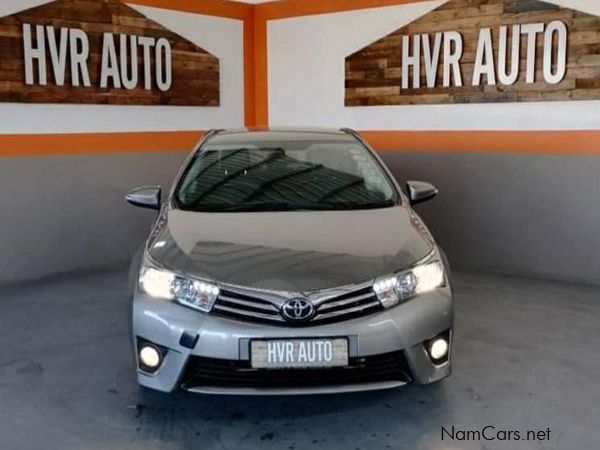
{"x":401,"y":331}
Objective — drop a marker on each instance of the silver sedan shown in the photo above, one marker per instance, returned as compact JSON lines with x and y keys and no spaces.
{"x":286,"y":262}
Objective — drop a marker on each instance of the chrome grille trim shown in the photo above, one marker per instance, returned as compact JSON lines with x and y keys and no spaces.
{"x":334,"y":304}
{"x":331,"y":305}
{"x":358,"y":308}
{"x":266,"y":306}
{"x":250,"y":314}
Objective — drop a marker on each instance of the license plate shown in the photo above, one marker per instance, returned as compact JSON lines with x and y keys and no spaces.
{"x":299,"y":353}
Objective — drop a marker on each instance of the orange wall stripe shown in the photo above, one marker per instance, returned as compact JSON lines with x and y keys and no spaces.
{"x":261,"y":69}
{"x":249,"y":71}
{"x":558,"y":142}
{"x":536,"y":142}
{"x":81,"y":143}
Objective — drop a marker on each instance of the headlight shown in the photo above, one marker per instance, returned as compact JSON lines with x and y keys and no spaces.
{"x":393,"y":289}
{"x":161,"y":283}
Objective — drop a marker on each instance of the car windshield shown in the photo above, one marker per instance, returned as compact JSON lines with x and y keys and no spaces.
{"x":284,"y":175}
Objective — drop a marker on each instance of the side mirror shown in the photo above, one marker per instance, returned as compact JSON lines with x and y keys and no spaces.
{"x":145,"y":197}
{"x":420,"y":191}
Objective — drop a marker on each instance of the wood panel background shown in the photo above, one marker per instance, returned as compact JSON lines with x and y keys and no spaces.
{"x":373,"y":74}
{"x":195,"y":71}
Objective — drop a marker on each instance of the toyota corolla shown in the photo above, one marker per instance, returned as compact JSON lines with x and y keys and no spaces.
{"x":288,"y":262}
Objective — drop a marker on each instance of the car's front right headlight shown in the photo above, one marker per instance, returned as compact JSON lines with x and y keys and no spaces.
{"x":161,"y":283}
{"x":393,"y":289}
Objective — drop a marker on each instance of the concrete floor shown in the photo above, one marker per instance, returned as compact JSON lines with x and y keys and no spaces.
{"x":526,"y":359}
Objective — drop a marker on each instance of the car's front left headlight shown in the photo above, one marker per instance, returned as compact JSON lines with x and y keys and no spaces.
{"x":161,"y":283}
{"x":393,"y":289}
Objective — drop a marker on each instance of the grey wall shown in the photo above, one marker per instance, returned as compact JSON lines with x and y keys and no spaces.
{"x":67,"y":213}
{"x":527,"y":214}
{"x":533,"y":215}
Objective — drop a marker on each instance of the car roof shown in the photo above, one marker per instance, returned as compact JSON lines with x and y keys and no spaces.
{"x":258,"y":134}
{"x":316,"y":130}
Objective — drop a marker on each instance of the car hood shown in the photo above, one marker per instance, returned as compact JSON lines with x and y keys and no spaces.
{"x":296,"y":251}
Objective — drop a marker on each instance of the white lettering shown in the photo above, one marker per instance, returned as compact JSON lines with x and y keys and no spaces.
{"x":310,"y":350}
{"x":560,"y":29}
{"x":289,"y":352}
{"x":147,"y":43}
{"x":58,"y":53}
{"x":413,"y":61}
{"x":280,"y":351}
{"x":432,"y":59}
{"x":302,"y":352}
{"x":79,"y":47}
{"x":484,"y":58}
{"x":505,"y":78}
{"x":117,"y":69}
{"x":327,"y":351}
{"x":453,"y":50}
{"x":110,"y":66}
{"x":164,"y":75}
{"x":502,"y":67}
{"x":31,"y":53}
{"x":319,"y":345}
{"x":271,"y":352}
{"x":129,"y":78}
{"x":531,"y":30}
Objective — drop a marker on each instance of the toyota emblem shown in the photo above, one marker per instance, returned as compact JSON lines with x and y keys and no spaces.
{"x":297,"y":310}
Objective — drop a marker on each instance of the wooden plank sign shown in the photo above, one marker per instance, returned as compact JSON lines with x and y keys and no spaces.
{"x":474,"y":51}
{"x":101,"y":51}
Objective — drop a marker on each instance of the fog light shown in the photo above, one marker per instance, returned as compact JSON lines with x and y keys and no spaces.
{"x":150,"y":356}
{"x":438,"y":349}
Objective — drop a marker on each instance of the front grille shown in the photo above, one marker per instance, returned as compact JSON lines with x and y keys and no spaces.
{"x":336,"y":308}
{"x":241,"y":306}
{"x":211,"y":372}
{"x":347,"y":306}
